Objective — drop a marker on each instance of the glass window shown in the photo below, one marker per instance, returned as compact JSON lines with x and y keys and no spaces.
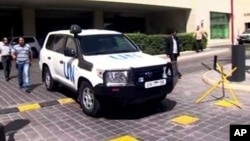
{"x":219,"y":25}
{"x":50,"y":42}
{"x":29,"y":40}
{"x":71,"y":43}
{"x":106,"y":44}
{"x":59,"y":43}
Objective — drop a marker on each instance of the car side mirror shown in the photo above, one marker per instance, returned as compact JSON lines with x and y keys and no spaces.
{"x":69,"y":52}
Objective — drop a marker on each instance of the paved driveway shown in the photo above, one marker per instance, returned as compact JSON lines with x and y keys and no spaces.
{"x":66,"y":122}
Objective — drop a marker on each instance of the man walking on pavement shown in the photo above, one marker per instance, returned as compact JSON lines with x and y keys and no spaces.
{"x":172,"y":45}
{"x":5,"y":52}
{"x":23,"y":56}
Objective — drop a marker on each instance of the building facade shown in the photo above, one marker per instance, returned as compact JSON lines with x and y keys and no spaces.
{"x":38,"y":17}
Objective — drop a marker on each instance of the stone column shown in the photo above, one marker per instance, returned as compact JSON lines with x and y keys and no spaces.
{"x":29,"y":25}
{"x":98,"y":19}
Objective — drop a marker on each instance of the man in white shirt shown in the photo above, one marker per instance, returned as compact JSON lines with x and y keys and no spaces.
{"x":5,"y":52}
{"x":172,"y":45}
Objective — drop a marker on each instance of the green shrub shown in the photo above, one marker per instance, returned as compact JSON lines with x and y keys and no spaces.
{"x":155,"y":44}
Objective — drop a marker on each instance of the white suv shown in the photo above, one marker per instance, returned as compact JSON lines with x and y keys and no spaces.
{"x":104,"y":66}
{"x":32,"y":41}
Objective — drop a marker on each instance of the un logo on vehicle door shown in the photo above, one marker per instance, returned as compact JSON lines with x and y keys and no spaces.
{"x":69,"y":71}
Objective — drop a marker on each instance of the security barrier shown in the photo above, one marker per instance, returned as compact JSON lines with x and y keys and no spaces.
{"x":223,"y":81}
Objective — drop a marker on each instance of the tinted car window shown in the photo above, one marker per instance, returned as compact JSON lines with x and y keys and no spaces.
{"x":50,"y":42}
{"x":71,"y":43}
{"x":14,"y":41}
{"x":29,"y":40}
{"x":106,"y":44}
{"x":59,"y":43}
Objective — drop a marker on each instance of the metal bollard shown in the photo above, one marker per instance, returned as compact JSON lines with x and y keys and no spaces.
{"x":215,"y":62}
{"x":238,"y":60}
{"x":2,"y":133}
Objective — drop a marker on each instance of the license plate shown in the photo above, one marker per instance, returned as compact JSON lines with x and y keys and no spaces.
{"x":155,"y":83}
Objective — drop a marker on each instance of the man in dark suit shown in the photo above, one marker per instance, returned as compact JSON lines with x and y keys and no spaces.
{"x":173,"y":49}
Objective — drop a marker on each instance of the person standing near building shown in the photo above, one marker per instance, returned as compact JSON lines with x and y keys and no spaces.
{"x":5,"y":52}
{"x":199,"y":35}
{"x":172,"y":46}
{"x":23,"y":56}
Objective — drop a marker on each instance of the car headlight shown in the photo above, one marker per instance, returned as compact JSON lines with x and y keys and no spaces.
{"x":116,"y":78}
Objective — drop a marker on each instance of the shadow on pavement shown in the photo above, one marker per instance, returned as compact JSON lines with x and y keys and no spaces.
{"x":138,"y":111}
{"x":12,"y":77}
{"x":66,"y":92}
{"x":34,"y":86}
{"x":13,"y":127}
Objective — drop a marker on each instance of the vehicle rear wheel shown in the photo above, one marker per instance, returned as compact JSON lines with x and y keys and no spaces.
{"x":90,"y":104}
{"x":49,"y":82}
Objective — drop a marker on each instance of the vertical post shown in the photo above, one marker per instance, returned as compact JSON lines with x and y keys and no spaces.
{"x":223,"y":81}
{"x":215,"y":62}
{"x":232,"y":21}
{"x":2,"y":132}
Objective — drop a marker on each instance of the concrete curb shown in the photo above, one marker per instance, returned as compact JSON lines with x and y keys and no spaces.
{"x":236,"y":87}
{"x":33,"y":106}
{"x":188,"y":55}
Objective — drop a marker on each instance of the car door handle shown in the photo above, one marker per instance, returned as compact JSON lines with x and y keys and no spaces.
{"x":49,"y":58}
{"x":61,"y":61}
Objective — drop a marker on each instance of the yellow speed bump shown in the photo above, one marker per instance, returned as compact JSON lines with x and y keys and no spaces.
{"x":28,"y":107}
{"x":125,"y":138}
{"x":225,"y":103}
{"x":66,"y":100}
{"x":185,"y":119}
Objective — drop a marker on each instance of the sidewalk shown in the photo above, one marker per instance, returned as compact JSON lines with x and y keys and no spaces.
{"x":193,"y":54}
{"x":211,"y":77}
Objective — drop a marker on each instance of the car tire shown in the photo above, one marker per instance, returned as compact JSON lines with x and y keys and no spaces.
{"x":89,"y":102}
{"x":34,"y":52}
{"x":49,"y":82}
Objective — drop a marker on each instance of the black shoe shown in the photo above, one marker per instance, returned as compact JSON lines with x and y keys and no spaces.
{"x":7,"y":79}
{"x":27,"y":90}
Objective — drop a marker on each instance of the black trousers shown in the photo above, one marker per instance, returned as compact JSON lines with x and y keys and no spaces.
{"x":198,"y":45}
{"x":173,"y":58}
{"x":6,"y":61}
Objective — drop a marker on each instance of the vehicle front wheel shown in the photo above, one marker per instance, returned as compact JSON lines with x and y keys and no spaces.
{"x":89,"y":102}
{"x":49,"y":82}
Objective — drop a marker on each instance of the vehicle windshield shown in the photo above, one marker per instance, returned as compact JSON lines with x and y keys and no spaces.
{"x":247,"y":31}
{"x":106,"y":44}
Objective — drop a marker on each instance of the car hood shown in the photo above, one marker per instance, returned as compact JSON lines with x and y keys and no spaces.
{"x":124,"y":60}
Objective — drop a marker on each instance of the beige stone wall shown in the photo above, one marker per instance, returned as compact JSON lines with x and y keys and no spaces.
{"x":185,"y":15}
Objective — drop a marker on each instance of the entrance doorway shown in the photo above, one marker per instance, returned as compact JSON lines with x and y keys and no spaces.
{"x":11,"y":22}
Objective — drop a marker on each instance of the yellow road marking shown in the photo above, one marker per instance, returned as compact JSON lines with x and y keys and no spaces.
{"x":28,"y":107}
{"x":66,"y":100}
{"x":185,"y":120}
{"x":125,"y":138}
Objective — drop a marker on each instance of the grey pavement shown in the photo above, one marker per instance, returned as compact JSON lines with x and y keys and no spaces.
{"x":11,"y":95}
{"x":148,"y":123}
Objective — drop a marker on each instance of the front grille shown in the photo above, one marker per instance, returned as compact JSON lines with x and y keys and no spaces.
{"x":147,"y":74}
